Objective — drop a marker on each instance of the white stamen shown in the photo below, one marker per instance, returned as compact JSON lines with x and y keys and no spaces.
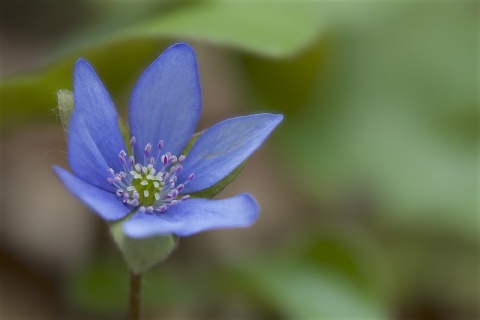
{"x":138,"y":181}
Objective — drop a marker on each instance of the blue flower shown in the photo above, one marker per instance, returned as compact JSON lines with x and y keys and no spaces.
{"x":155,"y":180}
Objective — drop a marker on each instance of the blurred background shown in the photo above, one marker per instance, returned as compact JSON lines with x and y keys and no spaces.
{"x":368,"y":189}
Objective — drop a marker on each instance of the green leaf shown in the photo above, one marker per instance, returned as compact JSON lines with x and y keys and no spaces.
{"x":307,"y":293}
{"x":142,"y":254}
{"x":275,"y":30}
{"x":276,"y":82}
{"x":272,"y":30}
{"x":299,"y":290}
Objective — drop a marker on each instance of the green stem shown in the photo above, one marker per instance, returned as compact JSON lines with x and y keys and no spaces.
{"x":134,"y":296}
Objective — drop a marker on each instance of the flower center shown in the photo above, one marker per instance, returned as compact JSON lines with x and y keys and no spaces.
{"x":151,"y":185}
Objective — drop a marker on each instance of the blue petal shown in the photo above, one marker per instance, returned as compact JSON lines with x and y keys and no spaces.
{"x":84,"y":156}
{"x":194,"y":216}
{"x":106,"y":204}
{"x":223,"y":147}
{"x":166,"y":101}
{"x":100,"y":117}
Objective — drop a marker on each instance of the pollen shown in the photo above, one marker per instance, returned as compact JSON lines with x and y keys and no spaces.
{"x":150,"y":186}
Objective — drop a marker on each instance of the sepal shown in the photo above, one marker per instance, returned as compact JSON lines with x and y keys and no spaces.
{"x":142,"y":254}
{"x":65,"y":107}
{"x":211,"y":192}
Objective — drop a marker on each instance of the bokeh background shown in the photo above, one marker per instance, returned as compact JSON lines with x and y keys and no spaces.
{"x":369,"y":187}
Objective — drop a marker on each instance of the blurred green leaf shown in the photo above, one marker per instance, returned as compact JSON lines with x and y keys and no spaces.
{"x":274,"y":30}
{"x":287,"y":84}
{"x":299,"y":289}
{"x":100,"y":287}
{"x":305,"y":293}
{"x":350,"y":253}
{"x":402,"y":119}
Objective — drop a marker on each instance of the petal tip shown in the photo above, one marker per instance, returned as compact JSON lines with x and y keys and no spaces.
{"x":181,"y":46}
{"x":277,"y":118}
{"x":250,"y":204}
{"x":57,"y":170}
{"x":82,"y":64}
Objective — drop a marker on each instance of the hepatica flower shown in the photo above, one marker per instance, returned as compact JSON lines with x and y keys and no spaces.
{"x":151,"y":180}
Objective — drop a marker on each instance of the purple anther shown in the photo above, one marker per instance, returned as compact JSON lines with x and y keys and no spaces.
{"x":164,"y":160}
{"x":185,"y":198}
{"x":162,"y":208}
{"x":117,"y":179}
{"x":122,"y":156}
{"x":111,"y":171}
{"x":148,"y":148}
{"x":141,"y":209}
{"x":191,"y":176}
{"x":160,"y":144}
{"x":174,"y":193}
{"x":120,"y":192}
{"x":149,"y":209}
{"x":110,"y":180}
{"x":178,"y":169}
{"x":134,"y":202}
{"x":133,"y":141}
{"x":152,"y":160}
{"x":173,"y":203}
{"x":172,"y":159}
{"x":180,"y":187}
{"x":181,"y":159}
{"x":135,"y":195}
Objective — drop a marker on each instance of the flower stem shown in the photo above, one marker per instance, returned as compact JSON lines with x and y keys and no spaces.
{"x":134,"y":296}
